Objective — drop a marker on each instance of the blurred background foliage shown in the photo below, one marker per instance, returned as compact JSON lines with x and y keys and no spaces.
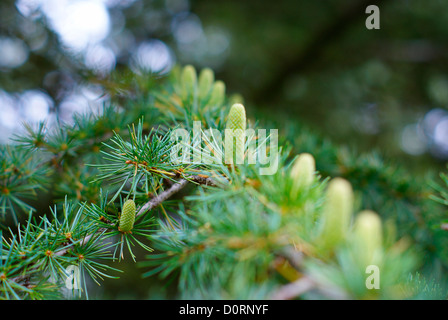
{"x":311,"y":63}
{"x":381,"y":89}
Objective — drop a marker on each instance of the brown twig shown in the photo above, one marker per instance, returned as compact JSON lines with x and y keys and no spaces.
{"x":305,"y":283}
{"x":157,"y":200}
{"x":294,"y":289}
{"x":154,"y":202}
{"x":151,"y":204}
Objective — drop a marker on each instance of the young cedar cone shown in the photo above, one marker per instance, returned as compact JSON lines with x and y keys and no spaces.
{"x":218,"y":94}
{"x":127,"y":217}
{"x":205,"y":83}
{"x":302,"y":172}
{"x":189,"y":80}
{"x":236,"y":124}
{"x":368,"y":237}
{"x":337,"y":211}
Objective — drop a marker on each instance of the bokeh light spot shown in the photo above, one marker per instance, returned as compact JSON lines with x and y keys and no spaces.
{"x":13,"y":52}
{"x":153,"y":56}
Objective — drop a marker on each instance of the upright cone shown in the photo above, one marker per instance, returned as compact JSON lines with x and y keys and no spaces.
{"x":205,"y":83}
{"x":218,"y":94}
{"x":368,"y":238}
{"x":337,"y":212}
{"x":189,"y":81}
{"x":302,"y":172}
{"x":127,"y":217}
{"x":235,"y":129}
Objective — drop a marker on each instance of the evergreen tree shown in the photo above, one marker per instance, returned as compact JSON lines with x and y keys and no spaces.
{"x":205,"y":218}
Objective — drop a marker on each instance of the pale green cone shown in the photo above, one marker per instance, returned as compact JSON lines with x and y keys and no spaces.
{"x":337,"y":211}
{"x":205,"y":83}
{"x":218,"y":94}
{"x":236,"y":126}
{"x":302,"y":172}
{"x":189,"y":81}
{"x":368,"y":238}
{"x":127,"y":217}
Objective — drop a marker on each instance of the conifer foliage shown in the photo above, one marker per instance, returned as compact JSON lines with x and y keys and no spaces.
{"x":118,"y":180}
